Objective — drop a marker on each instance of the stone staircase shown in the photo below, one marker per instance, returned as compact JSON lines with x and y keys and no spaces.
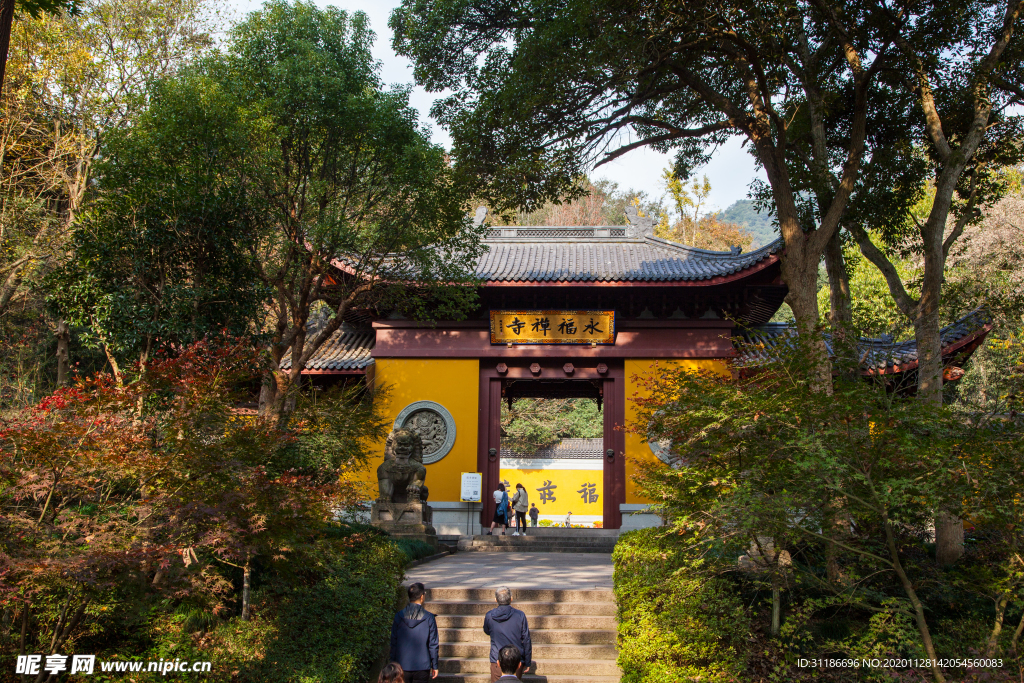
{"x":573,"y":634}
{"x":545,"y":540}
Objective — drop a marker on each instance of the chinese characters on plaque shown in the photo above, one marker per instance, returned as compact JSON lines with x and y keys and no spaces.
{"x":552,"y":327}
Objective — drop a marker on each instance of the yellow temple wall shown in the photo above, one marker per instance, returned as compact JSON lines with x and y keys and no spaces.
{"x":567,"y":482}
{"x":636,"y":448}
{"x":454,"y":383}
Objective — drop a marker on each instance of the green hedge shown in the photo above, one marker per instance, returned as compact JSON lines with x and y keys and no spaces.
{"x":414,"y":550}
{"x":321,"y":616}
{"x":676,"y":623}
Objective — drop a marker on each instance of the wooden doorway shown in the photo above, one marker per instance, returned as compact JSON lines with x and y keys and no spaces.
{"x":607,"y":377}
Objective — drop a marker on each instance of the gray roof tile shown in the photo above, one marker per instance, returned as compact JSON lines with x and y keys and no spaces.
{"x":574,"y":449}
{"x":346,"y":349}
{"x":876,"y":354}
{"x":547,"y":254}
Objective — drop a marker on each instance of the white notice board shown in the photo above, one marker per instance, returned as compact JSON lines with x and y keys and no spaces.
{"x":472,"y":487}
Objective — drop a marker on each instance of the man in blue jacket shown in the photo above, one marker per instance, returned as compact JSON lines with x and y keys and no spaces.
{"x":507,"y":626}
{"x":414,"y":640}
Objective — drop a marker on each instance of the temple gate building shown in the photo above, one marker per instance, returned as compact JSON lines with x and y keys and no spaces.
{"x":572,"y":312}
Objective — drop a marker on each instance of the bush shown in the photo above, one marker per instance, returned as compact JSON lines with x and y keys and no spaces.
{"x":676,"y":622}
{"x":324,"y":616}
{"x":413,"y":549}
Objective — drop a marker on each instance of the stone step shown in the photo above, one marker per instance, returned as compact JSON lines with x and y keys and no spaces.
{"x":538,"y":622}
{"x":541,"y":651}
{"x":579,"y":636}
{"x":533,"y":538}
{"x":589,"y":667}
{"x":520,"y":595}
{"x":533,"y":541}
{"x":527,"y":678}
{"x":562,"y":532}
{"x":599,"y":609}
{"x":544,"y":549}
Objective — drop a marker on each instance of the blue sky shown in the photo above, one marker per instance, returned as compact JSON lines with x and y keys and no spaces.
{"x":730,"y":170}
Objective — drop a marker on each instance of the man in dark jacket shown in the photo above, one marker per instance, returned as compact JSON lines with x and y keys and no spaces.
{"x":414,"y":641}
{"x":507,"y":626}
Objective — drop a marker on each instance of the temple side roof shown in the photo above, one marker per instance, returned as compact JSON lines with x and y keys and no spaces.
{"x":347,"y":349}
{"x":604,"y":254}
{"x":882,"y":355}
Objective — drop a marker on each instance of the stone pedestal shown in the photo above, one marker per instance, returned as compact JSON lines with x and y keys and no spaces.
{"x":405,"y":520}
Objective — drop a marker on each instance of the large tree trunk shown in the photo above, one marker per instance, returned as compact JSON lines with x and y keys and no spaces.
{"x":949,"y":538}
{"x":949,"y":529}
{"x":840,"y":316}
{"x":803,"y":300}
{"x":6,"y":22}
{"x":840,"y":309}
{"x":277,"y":396}
{"x":929,"y":349}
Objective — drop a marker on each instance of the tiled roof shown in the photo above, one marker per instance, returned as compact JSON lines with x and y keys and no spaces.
{"x":575,"y":449}
{"x":876,"y":355}
{"x":557,"y":254}
{"x":346,"y":349}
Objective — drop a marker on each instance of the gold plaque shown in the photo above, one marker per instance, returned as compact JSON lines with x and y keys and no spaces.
{"x":552,"y":327}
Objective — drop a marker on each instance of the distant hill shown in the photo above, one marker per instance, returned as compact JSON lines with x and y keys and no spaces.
{"x":757,"y":224}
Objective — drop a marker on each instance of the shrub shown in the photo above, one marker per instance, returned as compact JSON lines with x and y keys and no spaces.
{"x":323,"y":616}
{"x":676,"y":621}
{"x":414,"y":549}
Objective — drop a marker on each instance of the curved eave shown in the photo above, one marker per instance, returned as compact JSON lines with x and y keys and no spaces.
{"x":966,"y":344}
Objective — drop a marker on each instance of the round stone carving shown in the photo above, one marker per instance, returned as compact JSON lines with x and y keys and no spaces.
{"x":663,"y":449}
{"x":433,"y":423}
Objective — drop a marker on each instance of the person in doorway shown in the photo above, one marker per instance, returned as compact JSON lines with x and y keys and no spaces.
{"x":534,"y":515}
{"x":520,"y":504}
{"x":568,"y":520}
{"x":500,"y":510}
{"x":414,"y":641}
{"x":507,"y":626}
{"x":510,"y":661}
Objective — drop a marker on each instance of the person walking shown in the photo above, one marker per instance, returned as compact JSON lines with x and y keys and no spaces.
{"x":500,"y":510}
{"x":414,"y":641}
{"x":510,"y":661}
{"x":534,"y":514}
{"x":568,"y":520}
{"x":507,"y":626}
{"x":520,"y":504}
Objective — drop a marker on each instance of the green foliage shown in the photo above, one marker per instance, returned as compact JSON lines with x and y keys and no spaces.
{"x":875,"y":313}
{"x":414,"y":549}
{"x":322,"y":616}
{"x":332,"y":429}
{"x":534,"y":423}
{"x":133,"y":510}
{"x":846,"y":483}
{"x":165,"y":255}
{"x":677,"y":620}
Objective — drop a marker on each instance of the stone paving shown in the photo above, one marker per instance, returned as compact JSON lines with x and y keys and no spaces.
{"x":576,"y":571}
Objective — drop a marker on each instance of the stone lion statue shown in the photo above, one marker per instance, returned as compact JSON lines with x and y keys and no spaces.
{"x":400,"y":477}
